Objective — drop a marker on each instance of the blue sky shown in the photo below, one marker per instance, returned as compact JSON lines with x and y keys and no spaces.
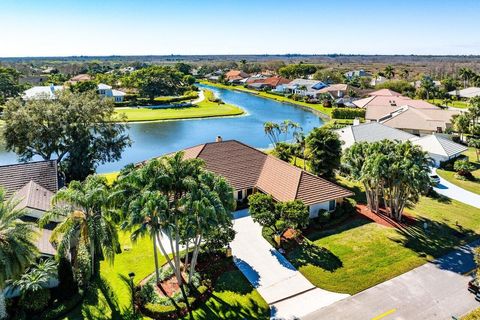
{"x":106,"y":27}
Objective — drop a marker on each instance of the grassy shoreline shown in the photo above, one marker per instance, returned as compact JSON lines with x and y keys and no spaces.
{"x":319,"y":109}
{"x":203,"y":109}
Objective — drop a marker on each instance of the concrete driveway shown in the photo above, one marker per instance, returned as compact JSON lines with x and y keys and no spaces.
{"x":289,"y":294}
{"x":454,"y":192}
{"x":435,"y":290}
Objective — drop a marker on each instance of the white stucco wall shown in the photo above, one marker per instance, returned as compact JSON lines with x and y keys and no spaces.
{"x":314,"y":208}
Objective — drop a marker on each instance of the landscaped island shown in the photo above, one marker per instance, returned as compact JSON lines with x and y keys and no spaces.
{"x":206,"y":108}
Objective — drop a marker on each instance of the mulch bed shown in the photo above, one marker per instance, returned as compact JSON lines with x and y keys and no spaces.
{"x":383,"y":219}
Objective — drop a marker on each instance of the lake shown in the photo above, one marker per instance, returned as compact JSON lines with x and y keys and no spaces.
{"x":151,"y":139}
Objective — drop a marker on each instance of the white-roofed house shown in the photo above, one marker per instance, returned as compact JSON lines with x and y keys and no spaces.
{"x":439,"y":148}
{"x":107,"y":91}
{"x":42,"y":92}
{"x":470,"y":92}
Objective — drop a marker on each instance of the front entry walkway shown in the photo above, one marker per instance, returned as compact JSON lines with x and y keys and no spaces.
{"x":289,"y":294}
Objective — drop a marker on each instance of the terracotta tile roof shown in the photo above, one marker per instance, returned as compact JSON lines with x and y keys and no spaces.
{"x":246,"y":167}
{"x":385,"y":92}
{"x":14,"y":177}
{"x":235,"y":75}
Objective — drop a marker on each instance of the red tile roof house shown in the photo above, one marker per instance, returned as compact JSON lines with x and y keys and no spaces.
{"x":271,"y":82}
{"x":249,"y":170}
{"x":33,"y":184}
{"x":235,"y":76}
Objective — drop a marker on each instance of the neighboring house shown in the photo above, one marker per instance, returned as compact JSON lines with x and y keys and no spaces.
{"x":470,"y":92}
{"x":42,"y":92}
{"x":418,"y":84}
{"x":370,"y":132}
{"x":439,"y":148}
{"x":107,"y":91}
{"x":385,"y":93}
{"x":356,"y":74}
{"x":236,"y":76}
{"x":378,"y":80}
{"x":419,"y":121}
{"x":313,"y":88}
{"x":249,"y":170}
{"x":392,"y":101}
{"x":271,"y":82}
{"x":33,"y":185}
{"x":80,"y":78}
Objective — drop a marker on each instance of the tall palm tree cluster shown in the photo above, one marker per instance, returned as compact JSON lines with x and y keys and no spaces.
{"x":469,"y":77}
{"x":393,"y":173}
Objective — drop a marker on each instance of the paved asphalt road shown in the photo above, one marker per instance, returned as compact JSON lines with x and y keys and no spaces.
{"x":435,"y":290}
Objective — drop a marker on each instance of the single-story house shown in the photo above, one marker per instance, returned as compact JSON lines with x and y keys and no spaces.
{"x":42,"y":92}
{"x":33,"y":185}
{"x":439,"y":148}
{"x":80,"y":78}
{"x":378,"y":80}
{"x":467,"y":93}
{"x":313,"y":88}
{"x":249,"y":170}
{"x":385,"y":93}
{"x":357,"y":74}
{"x":271,"y":82}
{"x":236,"y":76}
{"x":419,"y":121}
{"x":107,"y":91}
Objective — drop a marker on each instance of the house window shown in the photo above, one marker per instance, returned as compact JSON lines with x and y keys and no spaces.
{"x":240,"y":195}
{"x":331,"y":205}
{"x":249,"y":191}
{"x":439,"y":130}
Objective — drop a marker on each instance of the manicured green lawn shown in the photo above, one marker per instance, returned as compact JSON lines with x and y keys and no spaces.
{"x":233,"y":298}
{"x":473,"y":186}
{"x":203,"y":109}
{"x":317,"y":107}
{"x":359,"y":254}
{"x":457,"y":104}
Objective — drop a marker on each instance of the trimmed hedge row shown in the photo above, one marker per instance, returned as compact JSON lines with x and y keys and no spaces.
{"x":348,"y":113}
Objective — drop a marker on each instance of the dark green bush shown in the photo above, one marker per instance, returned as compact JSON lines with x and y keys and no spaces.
{"x":323,"y":216}
{"x":35,"y":300}
{"x":67,"y":286}
{"x":348,"y":113}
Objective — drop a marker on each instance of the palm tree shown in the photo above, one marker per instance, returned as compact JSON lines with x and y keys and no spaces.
{"x":88,"y":220}
{"x":389,"y":72}
{"x":465,"y":74}
{"x":405,"y":74}
{"x":272,"y":130}
{"x":17,"y":244}
{"x":427,"y":84}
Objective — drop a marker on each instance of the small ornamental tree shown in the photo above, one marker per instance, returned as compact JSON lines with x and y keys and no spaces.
{"x":463,"y":168}
{"x":295,"y":213}
{"x":262,"y":209}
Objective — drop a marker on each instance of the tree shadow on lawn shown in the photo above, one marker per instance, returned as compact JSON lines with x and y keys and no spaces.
{"x":437,"y":196}
{"x":309,"y":253}
{"x":436,"y":240}
{"x":217,"y":308}
{"x":232,"y":281}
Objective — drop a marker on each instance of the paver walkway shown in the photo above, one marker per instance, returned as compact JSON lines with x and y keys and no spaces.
{"x":454,"y":192}
{"x":435,"y":290}
{"x":289,"y":294}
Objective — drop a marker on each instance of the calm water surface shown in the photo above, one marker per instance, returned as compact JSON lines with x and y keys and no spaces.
{"x":157,"y":138}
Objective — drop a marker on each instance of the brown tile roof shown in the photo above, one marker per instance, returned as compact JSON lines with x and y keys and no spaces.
{"x":14,"y":177}
{"x":235,"y":75}
{"x":246,"y":167}
{"x":272,"y":81}
{"x":34,"y":196}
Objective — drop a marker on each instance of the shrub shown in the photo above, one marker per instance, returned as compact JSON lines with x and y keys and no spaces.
{"x":348,"y":113}
{"x":262,"y":209}
{"x":463,"y":168}
{"x":294,"y":213}
{"x":158,"y":310}
{"x":35,"y":300}
{"x":323,"y":216}
{"x":280,"y":225}
{"x":146,"y":293}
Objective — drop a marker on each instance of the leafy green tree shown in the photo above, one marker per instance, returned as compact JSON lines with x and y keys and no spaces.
{"x":329,"y":76}
{"x":84,"y":86}
{"x":189,"y":79}
{"x":17,"y":244}
{"x":389,"y":72}
{"x":56,"y":78}
{"x":9,"y":85}
{"x":89,"y":221}
{"x":183,"y":68}
{"x":79,"y":130}
{"x":461,"y":124}
{"x":466,"y":74}
{"x":262,"y":209}
{"x":449,"y":84}
{"x":295,"y":213}
{"x":297,"y":70}
{"x":400,"y":86}
{"x":428,"y":85}
{"x":157,"y":81}
{"x":324,"y":150}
